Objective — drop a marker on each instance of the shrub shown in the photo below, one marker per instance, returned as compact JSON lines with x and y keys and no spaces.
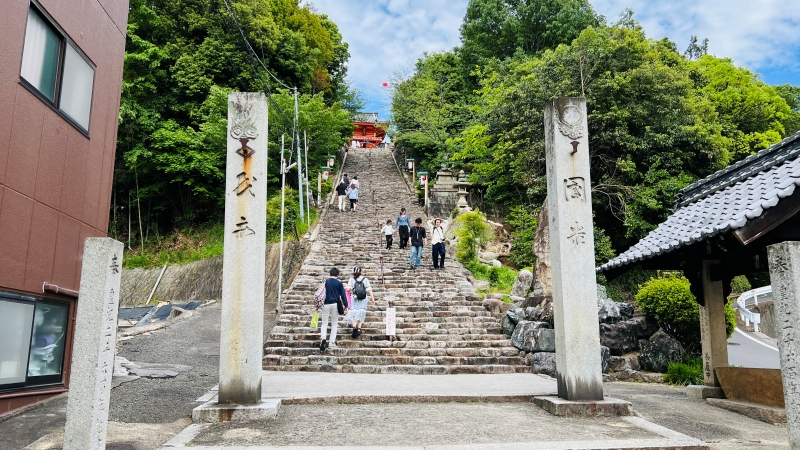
{"x":689,"y":371}
{"x":672,"y":303}
{"x":472,"y":232}
{"x":740,"y":284}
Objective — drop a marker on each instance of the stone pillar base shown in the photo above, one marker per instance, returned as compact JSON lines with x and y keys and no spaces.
{"x":608,"y":407}
{"x":701,"y":392}
{"x":215,"y":412}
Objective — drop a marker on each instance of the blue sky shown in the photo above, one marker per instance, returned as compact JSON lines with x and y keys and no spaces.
{"x":386,"y":37}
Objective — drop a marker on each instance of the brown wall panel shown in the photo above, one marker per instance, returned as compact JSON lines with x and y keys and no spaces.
{"x":26,"y":135}
{"x":52,"y":155}
{"x":118,"y":11}
{"x":85,"y":232}
{"x":68,"y":15}
{"x":15,"y":223}
{"x":12,"y":31}
{"x":42,"y":248}
{"x":74,"y":180}
{"x":67,"y":252}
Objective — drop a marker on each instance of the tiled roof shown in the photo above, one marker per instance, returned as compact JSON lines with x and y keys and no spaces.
{"x":722,"y":202}
{"x":365,"y":117}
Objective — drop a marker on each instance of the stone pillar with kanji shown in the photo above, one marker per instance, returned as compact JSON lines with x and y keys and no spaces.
{"x":569,"y":206}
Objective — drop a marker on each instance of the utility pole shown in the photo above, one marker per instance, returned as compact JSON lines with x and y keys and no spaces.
{"x":299,"y":158}
{"x":280,"y":251}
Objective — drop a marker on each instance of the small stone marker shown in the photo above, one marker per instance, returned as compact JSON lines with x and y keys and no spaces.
{"x":569,"y":205}
{"x":242,"y":323}
{"x":94,"y":345}
{"x":784,"y":271}
{"x":391,"y":318}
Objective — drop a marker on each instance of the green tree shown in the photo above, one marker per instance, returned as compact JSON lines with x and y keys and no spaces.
{"x":501,"y":28}
{"x":790,"y":94}
{"x":472,"y":232}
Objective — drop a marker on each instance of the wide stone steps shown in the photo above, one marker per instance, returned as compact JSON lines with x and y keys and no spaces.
{"x":441,"y":324}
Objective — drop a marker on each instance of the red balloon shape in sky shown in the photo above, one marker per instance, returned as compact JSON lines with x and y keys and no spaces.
{"x":385,"y":84}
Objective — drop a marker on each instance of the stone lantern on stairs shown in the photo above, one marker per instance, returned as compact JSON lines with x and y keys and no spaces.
{"x":462,"y":184}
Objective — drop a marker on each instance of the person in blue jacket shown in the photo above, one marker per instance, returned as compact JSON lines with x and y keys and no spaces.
{"x":402,"y":225}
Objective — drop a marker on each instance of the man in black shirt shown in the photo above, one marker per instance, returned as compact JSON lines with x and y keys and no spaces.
{"x":418,"y":240}
{"x":341,"y":191}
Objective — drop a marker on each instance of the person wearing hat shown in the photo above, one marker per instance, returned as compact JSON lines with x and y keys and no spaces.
{"x":437,"y":248}
{"x":418,"y":240}
{"x":359,"y":288}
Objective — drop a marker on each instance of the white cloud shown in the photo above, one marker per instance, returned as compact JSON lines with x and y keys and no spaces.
{"x":761,"y":35}
{"x":390,"y":35}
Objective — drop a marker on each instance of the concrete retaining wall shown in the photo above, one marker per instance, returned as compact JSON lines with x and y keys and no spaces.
{"x":202,"y":280}
{"x":767,"y":325}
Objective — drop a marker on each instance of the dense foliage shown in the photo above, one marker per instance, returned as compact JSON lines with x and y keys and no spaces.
{"x":472,"y":232}
{"x":670,"y":301}
{"x":658,"y":119}
{"x":182,"y":59}
{"x":689,"y":371}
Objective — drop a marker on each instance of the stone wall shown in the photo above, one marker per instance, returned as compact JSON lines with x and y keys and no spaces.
{"x":202,"y":280}
{"x":767,"y":325}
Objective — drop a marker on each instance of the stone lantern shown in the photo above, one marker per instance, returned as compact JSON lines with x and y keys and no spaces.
{"x":462,"y":184}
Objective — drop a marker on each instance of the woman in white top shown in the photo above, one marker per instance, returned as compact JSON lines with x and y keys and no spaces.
{"x":359,"y":288}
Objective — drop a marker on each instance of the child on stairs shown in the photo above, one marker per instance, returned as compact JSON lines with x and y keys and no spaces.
{"x":388,"y":231}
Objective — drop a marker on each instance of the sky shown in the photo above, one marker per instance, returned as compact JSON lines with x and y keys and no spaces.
{"x":386,"y":37}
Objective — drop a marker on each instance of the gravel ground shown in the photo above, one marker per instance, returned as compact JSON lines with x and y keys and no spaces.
{"x":415,"y":424}
{"x":166,"y":400}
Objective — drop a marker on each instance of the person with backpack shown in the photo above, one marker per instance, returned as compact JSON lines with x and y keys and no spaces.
{"x":341,"y":191}
{"x":352,"y":194}
{"x":335,"y":303}
{"x":418,"y":240}
{"x":402,"y":225}
{"x":359,"y":287}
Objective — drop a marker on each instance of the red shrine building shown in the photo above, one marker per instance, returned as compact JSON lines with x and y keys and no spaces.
{"x":368,"y":131}
{"x":61,"y":67}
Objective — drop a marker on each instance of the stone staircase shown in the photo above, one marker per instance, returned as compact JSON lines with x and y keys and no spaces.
{"x":442,"y":327}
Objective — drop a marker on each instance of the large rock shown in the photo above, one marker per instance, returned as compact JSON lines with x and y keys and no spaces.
{"x":607,"y":311}
{"x":626,"y":310}
{"x":661,"y":350}
{"x":534,"y":337}
{"x":647,"y":326}
{"x":522,"y":284}
{"x":543,"y":273}
{"x":605,"y":356}
{"x":495,"y":305}
{"x":620,"y":337}
{"x":485,"y":257}
{"x":507,"y":325}
{"x":481,"y":285}
{"x":623,"y":363}
{"x":601,"y":291}
{"x":544,"y":363}
{"x":544,"y":303}
{"x":510,"y":320}
{"x":533,"y":313}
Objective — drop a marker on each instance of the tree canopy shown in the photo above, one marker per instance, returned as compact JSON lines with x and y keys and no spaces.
{"x":182,"y":59}
{"x":658,"y":119}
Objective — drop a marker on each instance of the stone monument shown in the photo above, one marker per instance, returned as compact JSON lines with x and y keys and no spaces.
{"x":243,"y":277}
{"x":94,"y":345}
{"x":784,"y":271}
{"x":569,"y":206}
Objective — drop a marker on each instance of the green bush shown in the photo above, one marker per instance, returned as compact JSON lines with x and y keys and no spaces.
{"x":740,"y":284}
{"x":689,"y":371}
{"x":472,"y":232}
{"x":670,"y":300}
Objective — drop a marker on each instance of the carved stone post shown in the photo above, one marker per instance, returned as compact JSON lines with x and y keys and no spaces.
{"x":569,"y":206}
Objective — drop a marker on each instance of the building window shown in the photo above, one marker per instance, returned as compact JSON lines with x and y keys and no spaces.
{"x":33,"y":335}
{"x":56,"y":70}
